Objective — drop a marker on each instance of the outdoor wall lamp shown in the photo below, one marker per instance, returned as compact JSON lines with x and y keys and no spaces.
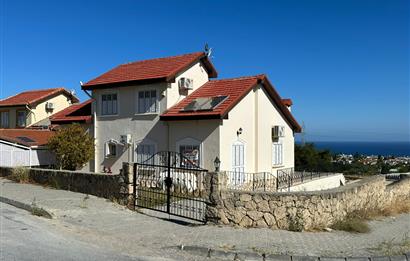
{"x":217,"y":163}
{"x":239,"y":132}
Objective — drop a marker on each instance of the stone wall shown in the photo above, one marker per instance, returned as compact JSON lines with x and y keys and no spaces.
{"x":115,"y":187}
{"x":299,"y":210}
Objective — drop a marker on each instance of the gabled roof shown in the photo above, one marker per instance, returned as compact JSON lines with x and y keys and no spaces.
{"x":287,"y":102}
{"x":149,"y":71}
{"x":80,"y":113}
{"x":34,"y":97}
{"x":26,"y":137}
{"x":235,"y":89}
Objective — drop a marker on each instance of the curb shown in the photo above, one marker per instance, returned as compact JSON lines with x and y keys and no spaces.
{"x":231,"y":255}
{"x":28,"y":207}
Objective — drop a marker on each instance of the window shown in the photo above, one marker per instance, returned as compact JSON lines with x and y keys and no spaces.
{"x":144,"y":151}
{"x":111,"y":149}
{"x":147,"y":101}
{"x":109,"y":104}
{"x":21,"y":118}
{"x":277,"y":153}
{"x":191,"y":152}
{"x":4,"y":119}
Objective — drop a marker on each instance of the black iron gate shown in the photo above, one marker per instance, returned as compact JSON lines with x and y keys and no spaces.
{"x":170,"y":183}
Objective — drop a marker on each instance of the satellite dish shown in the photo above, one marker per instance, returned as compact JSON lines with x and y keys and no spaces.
{"x":81,"y":83}
{"x":208,"y":50}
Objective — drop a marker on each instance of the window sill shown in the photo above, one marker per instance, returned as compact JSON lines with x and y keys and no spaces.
{"x":107,"y":116}
{"x":148,"y":114}
{"x":278,"y":166}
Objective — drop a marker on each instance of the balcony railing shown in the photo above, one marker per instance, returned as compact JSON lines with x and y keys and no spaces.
{"x":261,"y":181}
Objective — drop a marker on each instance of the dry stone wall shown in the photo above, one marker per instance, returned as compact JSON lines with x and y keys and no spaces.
{"x":299,"y":210}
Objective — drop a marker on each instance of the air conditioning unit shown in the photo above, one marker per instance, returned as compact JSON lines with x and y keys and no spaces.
{"x":125,"y":139}
{"x":278,"y":132}
{"x":186,"y":83}
{"x":49,"y":106}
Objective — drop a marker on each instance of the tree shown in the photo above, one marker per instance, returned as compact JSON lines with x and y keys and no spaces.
{"x":72,"y":146}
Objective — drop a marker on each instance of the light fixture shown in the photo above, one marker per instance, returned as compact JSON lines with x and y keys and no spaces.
{"x":217,"y":163}
{"x":239,"y":132}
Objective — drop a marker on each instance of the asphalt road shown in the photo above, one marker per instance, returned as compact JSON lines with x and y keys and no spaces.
{"x":27,"y":237}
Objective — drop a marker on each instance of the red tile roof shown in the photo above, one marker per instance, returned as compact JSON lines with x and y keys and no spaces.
{"x":159,"y":69}
{"x":39,"y":137}
{"x":287,"y":102}
{"x":235,"y":89}
{"x":34,"y":97}
{"x":80,"y":113}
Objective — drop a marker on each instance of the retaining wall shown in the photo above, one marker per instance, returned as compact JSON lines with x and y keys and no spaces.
{"x":111,"y":186}
{"x":300,"y":210}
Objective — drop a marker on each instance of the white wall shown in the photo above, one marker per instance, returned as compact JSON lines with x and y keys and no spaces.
{"x":140,"y":126}
{"x":322,"y":183}
{"x":204,"y":131}
{"x":15,"y":155}
{"x":256,"y":114}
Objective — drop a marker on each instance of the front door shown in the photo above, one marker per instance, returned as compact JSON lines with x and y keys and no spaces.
{"x":238,"y":162}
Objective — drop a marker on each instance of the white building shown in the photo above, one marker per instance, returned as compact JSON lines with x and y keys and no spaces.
{"x":170,"y":104}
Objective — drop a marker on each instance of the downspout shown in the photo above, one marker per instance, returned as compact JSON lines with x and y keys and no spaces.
{"x":31,"y":111}
{"x":94,"y":121}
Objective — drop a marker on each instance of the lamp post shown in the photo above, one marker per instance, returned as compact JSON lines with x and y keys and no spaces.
{"x":217,"y":163}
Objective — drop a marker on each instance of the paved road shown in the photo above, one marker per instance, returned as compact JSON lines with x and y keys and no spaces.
{"x":118,"y":230}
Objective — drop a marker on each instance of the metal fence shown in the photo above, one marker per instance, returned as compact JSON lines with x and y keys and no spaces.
{"x":261,"y":181}
{"x":289,"y":177}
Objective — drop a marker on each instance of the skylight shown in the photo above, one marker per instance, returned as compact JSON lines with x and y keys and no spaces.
{"x":204,"y":104}
{"x":25,"y":139}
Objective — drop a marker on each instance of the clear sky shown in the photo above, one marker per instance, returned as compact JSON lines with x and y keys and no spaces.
{"x":345,"y":63}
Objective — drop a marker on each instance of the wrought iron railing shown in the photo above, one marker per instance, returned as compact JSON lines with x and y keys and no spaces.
{"x":261,"y":181}
{"x":287,"y":178}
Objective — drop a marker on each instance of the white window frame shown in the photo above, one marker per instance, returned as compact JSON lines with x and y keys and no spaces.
{"x":137,"y":101}
{"x":191,"y":142}
{"x":144,"y":142}
{"x":107,"y":150}
{"x":278,"y":154}
{"x":7,"y":125}
{"x":101,"y":110}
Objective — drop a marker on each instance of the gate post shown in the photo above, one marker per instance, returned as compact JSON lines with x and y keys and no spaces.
{"x":168,"y":183}
{"x":128,"y":171}
{"x":215,"y":184}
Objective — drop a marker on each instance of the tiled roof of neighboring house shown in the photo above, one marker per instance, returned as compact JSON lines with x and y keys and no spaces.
{"x":235,"y":89}
{"x":34,"y":97}
{"x":80,"y":113}
{"x":287,"y":102}
{"x":26,"y":137}
{"x":148,"y":71}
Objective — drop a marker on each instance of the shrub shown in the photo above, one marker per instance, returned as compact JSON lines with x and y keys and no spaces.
{"x":352,"y":225}
{"x":73,"y":147}
{"x":20,"y":174}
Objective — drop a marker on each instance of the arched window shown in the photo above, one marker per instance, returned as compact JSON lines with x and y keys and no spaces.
{"x":191,"y":149}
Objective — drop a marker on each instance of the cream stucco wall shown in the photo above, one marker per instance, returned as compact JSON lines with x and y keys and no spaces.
{"x":39,"y":112}
{"x":142,"y":127}
{"x":204,"y":131}
{"x":323,"y":183}
{"x":256,"y":114}
{"x":197,"y":72}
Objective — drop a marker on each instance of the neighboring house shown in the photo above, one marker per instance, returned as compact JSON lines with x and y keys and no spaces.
{"x":170,"y":104}
{"x":28,"y":108}
{"x":24,"y":147}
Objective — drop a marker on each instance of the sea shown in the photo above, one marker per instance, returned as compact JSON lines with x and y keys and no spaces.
{"x":366,"y":148}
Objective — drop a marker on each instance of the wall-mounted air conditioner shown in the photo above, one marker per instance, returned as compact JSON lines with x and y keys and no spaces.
{"x":125,"y":139}
{"x":49,"y":106}
{"x":186,"y":83}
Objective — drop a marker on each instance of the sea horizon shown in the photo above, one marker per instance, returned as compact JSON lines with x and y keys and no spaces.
{"x":384,"y":148}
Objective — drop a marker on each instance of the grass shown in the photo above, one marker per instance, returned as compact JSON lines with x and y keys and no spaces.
{"x":20,"y":175}
{"x":83,"y":203}
{"x":38,"y":211}
{"x":357,"y":221}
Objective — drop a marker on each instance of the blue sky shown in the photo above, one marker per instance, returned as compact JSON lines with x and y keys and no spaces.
{"x":344,"y":63}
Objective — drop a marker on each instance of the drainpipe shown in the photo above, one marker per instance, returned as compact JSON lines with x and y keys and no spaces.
{"x":94,"y":122}
{"x":31,"y":111}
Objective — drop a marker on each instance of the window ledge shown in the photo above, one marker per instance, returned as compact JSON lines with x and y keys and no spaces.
{"x":148,"y":113}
